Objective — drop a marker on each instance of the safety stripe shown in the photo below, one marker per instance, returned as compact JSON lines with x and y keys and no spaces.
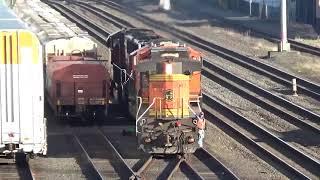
{"x":169,"y":112}
{"x":3,"y":49}
{"x":167,"y":77}
{"x":8,"y":49}
{"x":15,"y":42}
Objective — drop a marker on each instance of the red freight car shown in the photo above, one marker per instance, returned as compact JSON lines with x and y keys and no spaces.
{"x":78,"y":87}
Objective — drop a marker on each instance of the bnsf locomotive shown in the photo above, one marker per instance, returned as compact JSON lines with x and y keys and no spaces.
{"x":160,"y":83}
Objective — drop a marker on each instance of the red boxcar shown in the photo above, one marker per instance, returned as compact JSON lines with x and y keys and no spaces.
{"x":77,"y":87}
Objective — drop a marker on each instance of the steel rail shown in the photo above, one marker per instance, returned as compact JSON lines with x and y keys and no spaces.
{"x":240,"y":85}
{"x":304,"y":86}
{"x":295,"y":44}
{"x":277,"y":99}
{"x":309,"y":163}
{"x":302,"y":111}
{"x":120,"y":23}
{"x":300,"y":175}
{"x":189,"y":169}
{"x":305,"y":47}
{"x":215,"y":165}
{"x":115,"y":151}
{"x":22,"y":170}
{"x":168,"y":172}
{"x":143,"y":168}
{"x":98,"y":175}
{"x":250,"y":144}
{"x":270,"y":37}
{"x":179,"y":160}
{"x":94,"y":29}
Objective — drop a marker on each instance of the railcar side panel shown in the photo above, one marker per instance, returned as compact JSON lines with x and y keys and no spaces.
{"x":22,"y":99}
{"x":76,"y":86}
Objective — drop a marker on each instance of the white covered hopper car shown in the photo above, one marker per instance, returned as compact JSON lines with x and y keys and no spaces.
{"x":22,"y":122}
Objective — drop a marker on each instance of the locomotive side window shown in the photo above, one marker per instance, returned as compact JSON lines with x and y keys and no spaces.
{"x":58,"y":89}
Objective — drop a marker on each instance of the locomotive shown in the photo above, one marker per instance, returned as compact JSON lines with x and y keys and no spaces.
{"x":159,"y":81}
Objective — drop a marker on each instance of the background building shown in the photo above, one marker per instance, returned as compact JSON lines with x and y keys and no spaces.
{"x":303,"y":11}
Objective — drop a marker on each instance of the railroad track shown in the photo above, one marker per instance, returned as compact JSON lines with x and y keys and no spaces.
{"x":292,"y":113}
{"x":159,"y":167}
{"x":15,"y":171}
{"x":272,"y":38}
{"x":103,"y":160}
{"x":304,"y":86}
{"x":209,"y":167}
{"x":204,"y":166}
{"x":240,"y":60}
{"x":281,"y":102}
{"x":289,"y":160}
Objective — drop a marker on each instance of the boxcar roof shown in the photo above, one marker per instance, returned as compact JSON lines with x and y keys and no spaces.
{"x":8,"y":20}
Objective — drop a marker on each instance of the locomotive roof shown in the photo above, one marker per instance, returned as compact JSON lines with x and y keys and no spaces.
{"x":8,"y":20}
{"x":141,"y":35}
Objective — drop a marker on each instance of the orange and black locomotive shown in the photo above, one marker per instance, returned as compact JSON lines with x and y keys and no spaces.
{"x":160,"y":82}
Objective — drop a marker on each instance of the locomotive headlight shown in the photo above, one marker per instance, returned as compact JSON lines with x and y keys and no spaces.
{"x":147,"y":139}
{"x":190,"y":139}
{"x":168,"y":68}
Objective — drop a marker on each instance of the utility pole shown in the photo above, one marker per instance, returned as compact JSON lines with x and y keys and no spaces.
{"x":165,"y":4}
{"x":284,"y":45}
{"x":250,"y":7}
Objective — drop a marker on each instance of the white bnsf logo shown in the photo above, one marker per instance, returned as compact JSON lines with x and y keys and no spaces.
{"x":168,"y":95}
{"x":80,"y":76}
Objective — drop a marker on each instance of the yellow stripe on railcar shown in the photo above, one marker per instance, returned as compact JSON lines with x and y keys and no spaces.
{"x":18,"y":45}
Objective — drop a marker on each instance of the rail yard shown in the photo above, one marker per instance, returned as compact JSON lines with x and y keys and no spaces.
{"x":125,"y":89}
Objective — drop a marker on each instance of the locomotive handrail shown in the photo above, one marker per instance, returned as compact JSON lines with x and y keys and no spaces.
{"x":198,"y":106}
{"x":140,"y":104}
{"x":125,"y":73}
{"x":138,"y":119}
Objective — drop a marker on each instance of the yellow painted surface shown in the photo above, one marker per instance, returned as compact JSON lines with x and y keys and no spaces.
{"x":165,"y":77}
{"x":178,"y":113}
{"x":19,"y":46}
